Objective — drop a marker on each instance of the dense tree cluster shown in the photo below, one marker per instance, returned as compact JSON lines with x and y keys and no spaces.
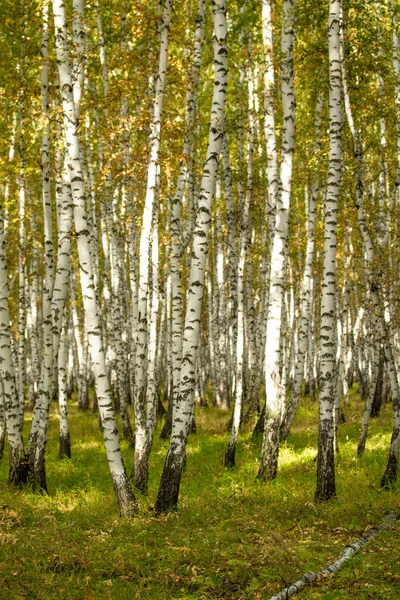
{"x":199,"y":203}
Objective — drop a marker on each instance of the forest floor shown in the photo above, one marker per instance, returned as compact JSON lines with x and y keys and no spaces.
{"x":233,"y":536}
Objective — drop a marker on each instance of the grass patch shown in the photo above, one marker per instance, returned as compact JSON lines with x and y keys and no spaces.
{"x":233,"y":536}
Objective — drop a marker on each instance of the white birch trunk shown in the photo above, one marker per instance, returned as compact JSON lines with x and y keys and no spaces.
{"x":222,"y":392}
{"x":141,"y":458}
{"x":306,"y":290}
{"x":78,"y":67}
{"x":11,"y":402}
{"x":275,"y":395}
{"x":22,"y":286}
{"x":170,"y":480}
{"x":125,"y":497}
{"x":38,"y":437}
{"x":244,"y":243}
{"x":65,"y":440}
{"x":326,"y":457}
{"x":176,"y":226}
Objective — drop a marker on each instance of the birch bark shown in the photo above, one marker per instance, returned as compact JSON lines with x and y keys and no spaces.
{"x":244,"y":243}
{"x":12,"y":412}
{"x":275,"y":395}
{"x":38,"y":436}
{"x":168,"y":492}
{"x":325,"y":463}
{"x":186,"y":167}
{"x":306,"y":307}
{"x":141,"y":458}
{"x":123,"y":490}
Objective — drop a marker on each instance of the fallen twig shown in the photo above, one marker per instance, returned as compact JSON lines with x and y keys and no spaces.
{"x":348,"y":551}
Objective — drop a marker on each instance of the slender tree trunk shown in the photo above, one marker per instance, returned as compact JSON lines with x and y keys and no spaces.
{"x":22,"y":284}
{"x":168,"y":492}
{"x":306,"y":306}
{"x":275,"y":394}
{"x":125,"y":497}
{"x":326,"y":456}
{"x":38,"y":438}
{"x":65,"y":440}
{"x":244,"y":243}
{"x":11,"y":403}
{"x":141,"y":457}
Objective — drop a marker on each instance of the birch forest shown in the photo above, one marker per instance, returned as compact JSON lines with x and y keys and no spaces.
{"x":199,"y":295}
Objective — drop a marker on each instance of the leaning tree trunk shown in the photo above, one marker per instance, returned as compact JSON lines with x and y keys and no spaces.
{"x":327,"y":382}
{"x":122,"y":487}
{"x":168,"y":492}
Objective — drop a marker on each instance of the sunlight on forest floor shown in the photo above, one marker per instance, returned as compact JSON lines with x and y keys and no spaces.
{"x":233,"y":536}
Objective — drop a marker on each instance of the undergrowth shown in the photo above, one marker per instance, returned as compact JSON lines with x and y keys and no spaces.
{"x":233,"y":536}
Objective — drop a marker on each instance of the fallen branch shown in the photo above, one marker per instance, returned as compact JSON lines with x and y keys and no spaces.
{"x":348,"y":551}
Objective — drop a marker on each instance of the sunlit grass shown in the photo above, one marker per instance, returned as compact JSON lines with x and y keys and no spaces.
{"x":233,"y":537}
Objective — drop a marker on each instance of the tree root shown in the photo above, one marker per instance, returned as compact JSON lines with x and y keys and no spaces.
{"x":348,"y":552}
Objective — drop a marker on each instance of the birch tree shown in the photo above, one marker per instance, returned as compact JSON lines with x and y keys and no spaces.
{"x":168,"y":491}
{"x":275,"y":394}
{"x":122,"y":488}
{"x":326,"y":458}
{"x":142,"y":439}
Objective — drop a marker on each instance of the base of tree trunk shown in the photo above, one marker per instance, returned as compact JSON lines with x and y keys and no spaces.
{"x":267,"y":472}
{"x":361,"y":446}
{"x":326,"y":486}
{"x":193,"y":426}
{"x":229,"y":460}
{"x":2,"y":441}
{"x":141,"y":473}
{"x":270,"y":450}
{"x":167,"y":428}
{"x":390,"y":476}
{"x":39,"y":482}
{"x":168,"y":492}
{"x":127,"y":432}
{"x":65,"y":447}
{"x":128,"y":506}
{"x":19,"y":470}
{"x":259,"y":426}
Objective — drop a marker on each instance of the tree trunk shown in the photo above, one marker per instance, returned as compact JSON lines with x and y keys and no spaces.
{"x":326,"y":488}
{"x":168,"y":492}
{"x":275,"y":394}
{"x":122,"y":488}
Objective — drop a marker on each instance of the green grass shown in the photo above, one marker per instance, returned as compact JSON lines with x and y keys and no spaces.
{"x":233,"y":537}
